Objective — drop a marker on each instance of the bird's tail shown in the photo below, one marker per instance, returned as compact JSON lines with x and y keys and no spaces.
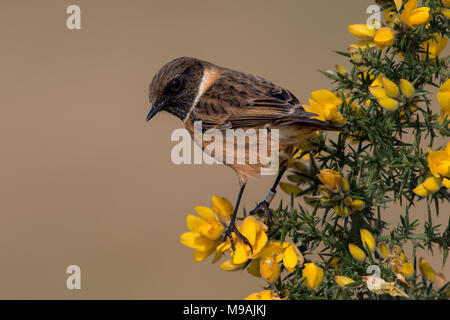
{"x":304,"y":118}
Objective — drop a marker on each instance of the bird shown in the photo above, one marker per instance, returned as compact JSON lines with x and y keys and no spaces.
{"x":221,"y":98}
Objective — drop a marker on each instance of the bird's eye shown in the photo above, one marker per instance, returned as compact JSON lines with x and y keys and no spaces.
{"x":175,"y":85}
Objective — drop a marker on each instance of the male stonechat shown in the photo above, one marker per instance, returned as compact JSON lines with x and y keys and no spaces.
{"x":221,"y":99}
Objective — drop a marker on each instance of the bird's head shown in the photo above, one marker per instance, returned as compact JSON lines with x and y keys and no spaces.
{"x":175,"y":86}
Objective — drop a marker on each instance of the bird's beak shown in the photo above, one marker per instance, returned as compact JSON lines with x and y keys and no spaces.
{"x":154,"y":110}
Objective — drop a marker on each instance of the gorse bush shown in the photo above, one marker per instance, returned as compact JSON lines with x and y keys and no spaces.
{"x":332,"y":240}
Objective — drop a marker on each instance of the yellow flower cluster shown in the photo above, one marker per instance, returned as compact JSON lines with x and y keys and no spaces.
{"x":400,"y":265}
{"x":368,"y":242}
{"x":387,"y":92}
{"x":325,"y":104}
{"x":369,"y":36}
{"x":266,"y":265}
{"x":397,"y":260}
{"x":413,"y":16}
{"x":206,"y":230}
{"x":439,"y":164}
{"x":335,"y":193}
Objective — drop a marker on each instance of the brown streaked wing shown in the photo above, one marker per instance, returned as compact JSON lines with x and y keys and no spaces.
{"x":240,"y":100}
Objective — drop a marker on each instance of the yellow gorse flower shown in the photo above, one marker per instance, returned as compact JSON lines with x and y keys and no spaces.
{"x":400,"y":265}
{"x":228,"y":265}
{"x":362,"y":31}
{"x":384,"y":251}
{"x":413,"y":16}
{"x":428,"y":187}
{"x":334,"y":192}
{"x":356,"y":252}
{"x":426,"y":269}
{"x":325,"y":104}
{"x":263,"y":295}
{"x":369,"y":36}
{"x":333,"y":180}
{"x":432,"y":184}
{"x":206,"y":229}
{"x":269,"y":268}
{"x":407,"y":269}
{"x":223,"y":209}
{"x":255,"y":232}
{"x":292,"y":258}
{"x":313,"y":275}
{"x":407,"y":88}
{"x":385,"y":91}
{"x":390,"y":87}
{"x":439,"y":162}
{"x":367,"y":239}
{"x":383,"y":99}
{"x":358,"y":205}
{"x":343,"y":281}
{"x":434,"y":47}
{"x":443,"y":97}
{"x":384,"y":37}
{"x":267,"y":264}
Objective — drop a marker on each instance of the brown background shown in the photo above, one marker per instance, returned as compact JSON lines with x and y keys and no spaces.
{"x":85,"y":180}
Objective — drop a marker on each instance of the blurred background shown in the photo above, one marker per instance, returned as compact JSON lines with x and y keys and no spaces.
{"x":85,"y":180}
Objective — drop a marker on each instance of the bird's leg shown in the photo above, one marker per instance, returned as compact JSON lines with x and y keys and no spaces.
{"x":232,"y":225}
{"x":264,"y":205}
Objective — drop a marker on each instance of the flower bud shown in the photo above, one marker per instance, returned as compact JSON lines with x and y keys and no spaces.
{"x":362,"y":31}
{"x":358,"y":205}
{"x":341,"y":211}
{"x":367,"y":239}
{"x":348,"y":201}
{"x":388,"y":103}
{"x":343,"y":281}
{"x":432,"y":184}
{"x":407,"y":88}
{"x":384,"y":37}
{"x":356,"y":252}
{"x":384,"y":251}
{"x":340,"y":69}
{"x":313,"y":274}
{"x":426,"y":269}
{"x":389,"y":87}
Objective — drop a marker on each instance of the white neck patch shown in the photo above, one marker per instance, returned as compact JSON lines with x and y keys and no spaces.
{"x":208,"y":78}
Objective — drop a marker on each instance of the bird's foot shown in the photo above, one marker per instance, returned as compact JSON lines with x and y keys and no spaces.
{"x":228,"y":234}
{"x":263,"y":206}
